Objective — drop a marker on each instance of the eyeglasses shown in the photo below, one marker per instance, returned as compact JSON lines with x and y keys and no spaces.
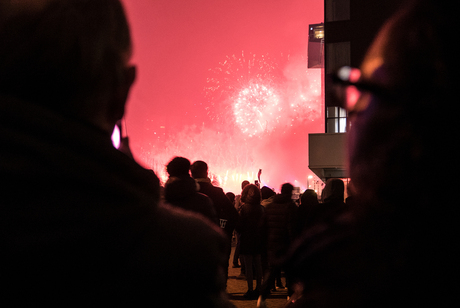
{"x":349,"y":88}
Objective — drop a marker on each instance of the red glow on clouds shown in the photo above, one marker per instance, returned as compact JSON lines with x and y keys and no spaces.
{"x":227,"y":83}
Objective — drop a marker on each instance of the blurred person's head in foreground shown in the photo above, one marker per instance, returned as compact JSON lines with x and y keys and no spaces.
{"x":51,"y":56}
{"x":408,"y":87}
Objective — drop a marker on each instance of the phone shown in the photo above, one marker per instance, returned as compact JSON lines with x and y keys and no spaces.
{"x":116,"y":135}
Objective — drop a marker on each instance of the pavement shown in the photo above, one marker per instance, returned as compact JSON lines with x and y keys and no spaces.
{"x":237,"y":287}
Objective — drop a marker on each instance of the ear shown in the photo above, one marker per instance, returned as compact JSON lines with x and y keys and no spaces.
{"x":120,"y":95}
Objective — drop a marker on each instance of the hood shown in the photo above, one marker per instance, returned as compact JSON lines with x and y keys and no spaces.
{"x":264,"y":202}
{"x":179,"y":188}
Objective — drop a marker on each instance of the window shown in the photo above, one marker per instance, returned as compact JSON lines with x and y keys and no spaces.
{"x":336,"y":121}
{"x":337,"y":55}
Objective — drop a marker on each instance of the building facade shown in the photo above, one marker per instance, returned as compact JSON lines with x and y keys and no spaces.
{"x":348,"y":30}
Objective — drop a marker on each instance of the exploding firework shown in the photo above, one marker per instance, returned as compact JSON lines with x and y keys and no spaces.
{"x":255,"y":107}
{"x":252,"y":101}
{"x":245,"y":91}
{"x":259,"y":95}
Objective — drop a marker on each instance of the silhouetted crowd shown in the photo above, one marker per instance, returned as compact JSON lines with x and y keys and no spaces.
{"x":264,"y":223}
{"x":83,"y":224}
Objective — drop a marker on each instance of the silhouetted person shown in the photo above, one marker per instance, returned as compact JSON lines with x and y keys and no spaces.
{"x":252,"y":229}
{"x":308,"y":209}
{"x":80,"y":221}
{"x":267,"y":195}
{"x":236,"y":255}
{"x":332,"y":198}
{"x":178,"y":166}
{"x":238,"y":202}
{"x":333,"y":192}
{"x":181,"y":190}
{"x":226,"y":212}
{"x":281,"y":224}
{"x":231,"y":196}
{"x":396,"y":246}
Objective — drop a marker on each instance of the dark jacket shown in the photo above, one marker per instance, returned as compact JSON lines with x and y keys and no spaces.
{"x":252,"y":229}
{"x":181,"y":192}
{"x":81,"y":222}
{"x":281,"y":224}
{"x":225,"y":210}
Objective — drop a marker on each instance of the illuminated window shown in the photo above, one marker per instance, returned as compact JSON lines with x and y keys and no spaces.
{"x":336,"y":120}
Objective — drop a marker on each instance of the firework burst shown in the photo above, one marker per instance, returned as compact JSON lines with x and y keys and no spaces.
{"x":252,"y":100}
{"x":259,"y":95}
{"x":255,"y":108}
{"x":245,"y":91}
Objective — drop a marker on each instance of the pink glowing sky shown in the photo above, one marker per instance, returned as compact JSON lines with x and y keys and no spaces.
{"x":172,"y":112}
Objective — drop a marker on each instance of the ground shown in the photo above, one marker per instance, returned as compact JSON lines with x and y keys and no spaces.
{"x":237,"y":287}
